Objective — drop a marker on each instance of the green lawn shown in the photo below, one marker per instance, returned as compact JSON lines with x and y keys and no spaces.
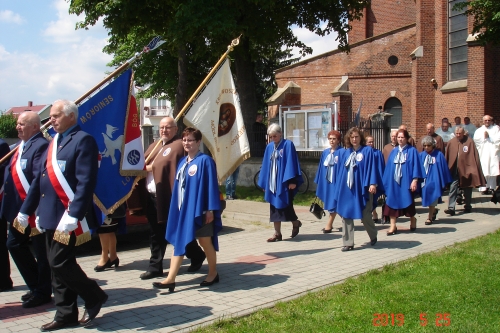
{"x":460,"y":282}
{"x":253,"y":194}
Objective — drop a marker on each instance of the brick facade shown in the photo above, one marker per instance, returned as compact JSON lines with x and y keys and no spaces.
{"x":397,"y":28}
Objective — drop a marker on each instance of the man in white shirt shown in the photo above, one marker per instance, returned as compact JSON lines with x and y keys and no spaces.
{"x":445,"y":133}
{"x":470,"y":128}
{"x":487,"y":140}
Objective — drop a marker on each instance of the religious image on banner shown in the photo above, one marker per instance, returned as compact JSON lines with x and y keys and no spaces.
{"x":109,"y":116}
{"x":217,"y":114}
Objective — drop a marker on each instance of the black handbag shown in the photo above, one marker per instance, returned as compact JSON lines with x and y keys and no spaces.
{"x":316,"y":209}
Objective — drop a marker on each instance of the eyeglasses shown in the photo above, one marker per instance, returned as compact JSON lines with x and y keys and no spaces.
{"x":167,"y":127}
{"x":427,"y":145}
{"x":187,"y":140}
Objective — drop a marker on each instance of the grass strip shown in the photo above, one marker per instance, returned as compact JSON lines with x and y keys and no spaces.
{"x":462,"y":281}
{"x":253,"y":194}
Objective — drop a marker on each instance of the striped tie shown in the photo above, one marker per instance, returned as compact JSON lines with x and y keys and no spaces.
{"x":398,"y":160}
{"x":350,"y":163}
{"x":329,"y":163}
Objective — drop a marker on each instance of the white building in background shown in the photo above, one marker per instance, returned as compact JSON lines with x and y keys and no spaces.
{"x":152,"y":111}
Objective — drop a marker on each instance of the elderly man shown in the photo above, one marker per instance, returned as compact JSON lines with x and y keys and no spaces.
{"x":163,"y":156}
{"x":63,"y":192}
{"x":445,"y":133}
{"x":463,"y":162}
{"x":390,"y":146}
{"x":470,"y":128}
{"x":437,"y":139}
{"x":24,"y":166}
{"x":487,"y":140}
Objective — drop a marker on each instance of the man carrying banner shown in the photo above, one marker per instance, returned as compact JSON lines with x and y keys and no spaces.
{"x":63,"y":191}
{"x":24,"y":166}
{"x":161,"y":169}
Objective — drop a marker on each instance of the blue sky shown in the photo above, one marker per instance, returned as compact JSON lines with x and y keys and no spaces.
{"x":43,"y":57}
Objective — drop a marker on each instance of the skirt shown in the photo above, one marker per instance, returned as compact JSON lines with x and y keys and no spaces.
{"x":108,"y":228}
{"x":286,"y":214}
{"x":408,"y":211}
{"x":207,"y":230}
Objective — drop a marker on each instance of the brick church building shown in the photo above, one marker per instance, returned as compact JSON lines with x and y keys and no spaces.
{"x":415,"y":58}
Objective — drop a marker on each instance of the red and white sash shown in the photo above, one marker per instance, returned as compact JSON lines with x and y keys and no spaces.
{"x":66,"y":195}
{"x":20,"y":181}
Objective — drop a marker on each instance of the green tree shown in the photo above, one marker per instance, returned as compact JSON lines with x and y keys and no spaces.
{"x":8,"y":126}
{"x":197,"y":32}
{"x":486,"y":16}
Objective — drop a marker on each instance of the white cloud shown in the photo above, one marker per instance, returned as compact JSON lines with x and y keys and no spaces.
{"x":9,"y":16}
{"x":319,"y":44}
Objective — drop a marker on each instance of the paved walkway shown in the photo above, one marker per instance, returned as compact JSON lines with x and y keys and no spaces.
{"x":253,"y":274}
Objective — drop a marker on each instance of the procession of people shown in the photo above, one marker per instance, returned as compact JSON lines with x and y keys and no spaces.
{"x":49,"y":186}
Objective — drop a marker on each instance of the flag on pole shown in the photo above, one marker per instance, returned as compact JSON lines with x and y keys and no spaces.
{"x":217,"y":114}
{"x":132,"y":159}
{"x":109,"y":116}
{"x":357,"y":119}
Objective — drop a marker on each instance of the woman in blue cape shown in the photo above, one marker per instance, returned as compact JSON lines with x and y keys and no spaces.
{"x":401,"y":176}
{"x":325,"y":177}
{"x":280,"y":177}
{"x":194,"y":209}
{"x":436,"y":176}
{"x":357,"y":181}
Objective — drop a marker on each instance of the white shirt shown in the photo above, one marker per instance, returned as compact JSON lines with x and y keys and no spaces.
{"x":447,"y":136}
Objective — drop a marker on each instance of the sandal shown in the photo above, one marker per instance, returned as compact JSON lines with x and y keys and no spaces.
{"x":428,"y":222}
{"x":327,"y":231}
{"x":436,"y":211}
{"x":275,"y":238}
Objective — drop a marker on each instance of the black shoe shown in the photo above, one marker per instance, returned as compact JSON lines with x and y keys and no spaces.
{"x":392,"y":232}
{"x":377,"y":221}
{"x":436,"y":211}
{"x":206,"y":283}
{"x":35,"y":301}
{"x":373,"y":241}
{"x":26,"y":296}
{"x":150,"y":275}
{"x":295,"y":230}
{"x":169,"y":286}
{"x":92,"y":312}
{"x":327,"y":231}
{"x":347,"y":248}
{"x":196,"y":265}
{"x":467,"y":210}
{"x":103,"y":267}
{"x":450,"y":212}
{"x":57,"y":325}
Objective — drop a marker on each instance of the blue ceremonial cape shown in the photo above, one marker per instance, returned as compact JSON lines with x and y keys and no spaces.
{"x":437,"y":178}
{"x":399,"y":196}
{"x":352,"y":201}
{"x":324,"y":189}
{"x":379,"y":169}
{"x":288,"y":169}
{"x":201,"y":194}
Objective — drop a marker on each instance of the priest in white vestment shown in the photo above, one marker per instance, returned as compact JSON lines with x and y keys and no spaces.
{"x":487,"y":140}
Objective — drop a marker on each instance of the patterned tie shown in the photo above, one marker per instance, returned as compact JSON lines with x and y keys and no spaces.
{"x":329,"y":163}
{"x":181,"y":178}
{"x":350,"y":163}
{"x":398,"y":160}
{"x":274,"y":169}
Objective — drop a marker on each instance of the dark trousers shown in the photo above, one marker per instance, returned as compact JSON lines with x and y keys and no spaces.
{"x":35,"y":272}
{"x":68,"y":280}
{"x":5,"y":280}
{"x":158,"y":243}
{"x":452,"y":199}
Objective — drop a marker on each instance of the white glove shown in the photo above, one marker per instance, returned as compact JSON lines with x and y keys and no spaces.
{"x":22,"y":219}
{"x":37,"y":223}
{"x":68,"y":224}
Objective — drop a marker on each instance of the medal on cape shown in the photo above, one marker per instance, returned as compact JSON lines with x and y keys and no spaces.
{"x":359,"y":157}
{"x":281,"y":152}
{"x":192,"y":170}
{"x":167,"y":151}
{"x":466,"y":149}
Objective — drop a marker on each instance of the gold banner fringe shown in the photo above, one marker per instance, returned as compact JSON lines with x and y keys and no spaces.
{"x":116,"y":205}
{"x":34,"y":232}
{"x":222,"y":180}
{"x":63,"y":238}
{"x":18,"y":226}
{"x":139,"y":173}
{"x":83,"y":238}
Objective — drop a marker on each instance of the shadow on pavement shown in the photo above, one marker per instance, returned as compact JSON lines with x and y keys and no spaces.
{"x":391,"y":244}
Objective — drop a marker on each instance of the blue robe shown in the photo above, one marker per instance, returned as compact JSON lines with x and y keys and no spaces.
{"x":288,"y":172}
{"x":352,"y":201}
{"x":437,"y":178}
{"x":324,"y":189}
{"x":201,"y":194}
{"x":399,"y":196}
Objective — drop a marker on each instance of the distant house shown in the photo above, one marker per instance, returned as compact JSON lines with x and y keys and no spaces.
{"x":43,"y":109}
{"x":152,"y":110}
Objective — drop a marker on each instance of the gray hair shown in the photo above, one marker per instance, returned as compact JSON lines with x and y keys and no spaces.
{"x":274,"y":129}
{"x":463,"y":128}
{"x":428,"y":140}
{"x":68,"y":107}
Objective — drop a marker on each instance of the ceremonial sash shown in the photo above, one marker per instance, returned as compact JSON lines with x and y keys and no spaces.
{"x":66,"y":195}
{"x":22,"y":187}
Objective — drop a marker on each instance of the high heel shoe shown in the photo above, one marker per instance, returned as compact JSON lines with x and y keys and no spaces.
{"x":103,"y":267}
{"x":169,"y":286}
{"x":206,"y":283}
{"x":115,"y":263}
{"x":296,"y":229}
{"x":392,"y":232}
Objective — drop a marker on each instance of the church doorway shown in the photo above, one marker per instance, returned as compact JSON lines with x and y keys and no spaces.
{"x":394,"y":107}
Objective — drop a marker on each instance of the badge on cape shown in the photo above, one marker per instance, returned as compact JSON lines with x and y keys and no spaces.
{"x":336,"y":160}
{"x":466,"y":149}
{"x":62,"y":165}
{"x":167,"y":151}
{"x":192,"y":170}
{"x":23,"y":163}
{"x":281,"y":152}
{"x":433,"y":160}
{"x":359,"y":157}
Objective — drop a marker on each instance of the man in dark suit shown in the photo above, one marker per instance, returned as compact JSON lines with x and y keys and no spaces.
{"x":5,"y":280}
{"x":24,"y":165}
{"x":63,"y":192}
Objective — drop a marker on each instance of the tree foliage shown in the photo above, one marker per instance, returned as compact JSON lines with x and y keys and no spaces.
{"x":8,"y":126}
{"x":486,"y":16}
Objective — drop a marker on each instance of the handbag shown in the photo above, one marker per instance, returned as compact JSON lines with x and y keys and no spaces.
{"x":316,"y":209}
